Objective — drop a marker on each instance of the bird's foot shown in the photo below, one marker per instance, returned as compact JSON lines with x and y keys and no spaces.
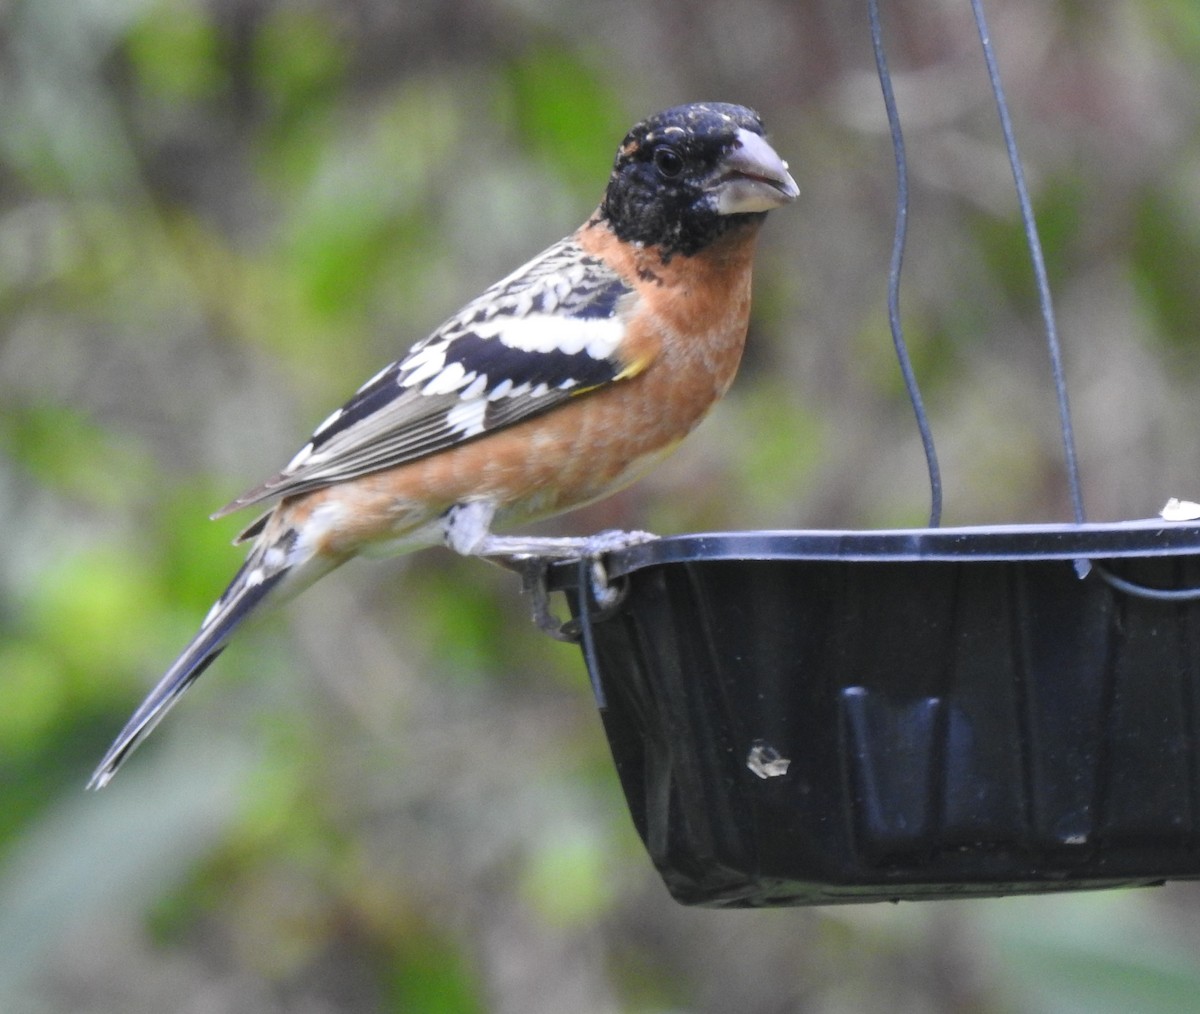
{"x":467,"y":532}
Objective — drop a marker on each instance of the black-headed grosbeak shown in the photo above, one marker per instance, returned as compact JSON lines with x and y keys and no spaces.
{"x":562,"y":382}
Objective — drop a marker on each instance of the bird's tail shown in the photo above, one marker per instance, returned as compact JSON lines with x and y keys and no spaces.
{"x":270,"y":562}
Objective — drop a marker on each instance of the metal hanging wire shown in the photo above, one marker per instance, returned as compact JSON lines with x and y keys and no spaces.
{"x":1032,"y":240}
{"x":898,"y":241}
{"x":1033,"y":243}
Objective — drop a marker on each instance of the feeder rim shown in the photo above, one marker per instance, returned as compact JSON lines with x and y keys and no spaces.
{"x":1151,"y":537}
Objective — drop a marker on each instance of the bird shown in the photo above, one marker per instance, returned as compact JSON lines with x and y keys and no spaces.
{"x":564,"y":381}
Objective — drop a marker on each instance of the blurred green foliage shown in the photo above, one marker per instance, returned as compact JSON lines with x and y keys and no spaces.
{"x":217,"y":219}
{"x":1166,"y":247}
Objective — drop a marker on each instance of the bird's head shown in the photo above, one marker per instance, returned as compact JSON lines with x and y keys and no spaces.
{"x":687,"y":175}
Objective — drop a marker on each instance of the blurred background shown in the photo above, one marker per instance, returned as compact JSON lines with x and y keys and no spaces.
{"x":217,"y":217}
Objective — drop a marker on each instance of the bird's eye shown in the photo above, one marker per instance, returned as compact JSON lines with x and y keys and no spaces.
{"x":668,"y":162}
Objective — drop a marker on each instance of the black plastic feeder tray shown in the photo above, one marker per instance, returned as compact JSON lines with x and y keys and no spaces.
{"x":818,"y":717}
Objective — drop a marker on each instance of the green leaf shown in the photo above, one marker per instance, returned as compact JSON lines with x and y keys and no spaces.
{"x":299,"y":57}
{"x":1165,"y":252}
{"x":566,"y":112}
{"x":175,"y":52}
{"x":568,"y":878}
{"x":1095,"y":953}
{"x":66,"y":451}
{"x":1059,"y":210}
{"x":433,"y":976}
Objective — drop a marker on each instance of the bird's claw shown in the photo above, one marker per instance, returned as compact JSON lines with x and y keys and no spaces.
{"x":531,"y":558}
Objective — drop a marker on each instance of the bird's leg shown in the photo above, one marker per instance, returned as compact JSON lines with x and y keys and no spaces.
{"x":467,"y":529}
{"x":533,"y":582}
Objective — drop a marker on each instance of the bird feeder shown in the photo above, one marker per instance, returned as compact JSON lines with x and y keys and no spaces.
{"x":807,"y":718}
{"x":820,"y":717}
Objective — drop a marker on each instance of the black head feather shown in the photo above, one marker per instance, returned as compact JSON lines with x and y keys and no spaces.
{"x":666,"y":178}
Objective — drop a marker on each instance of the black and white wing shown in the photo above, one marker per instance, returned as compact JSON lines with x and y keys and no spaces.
{"x":550,"y":330}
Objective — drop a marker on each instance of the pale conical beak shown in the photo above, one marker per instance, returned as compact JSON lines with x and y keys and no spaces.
{"x":752,"y":177}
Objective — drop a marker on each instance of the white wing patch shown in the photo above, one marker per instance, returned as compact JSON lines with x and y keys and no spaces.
{"x":598,"y":337}
{"x":467,"y":418}
{"x":430,"y":372}
{"x":450,"y":378}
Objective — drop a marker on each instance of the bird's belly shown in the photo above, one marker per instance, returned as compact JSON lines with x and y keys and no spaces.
{"x":543,"y":466}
